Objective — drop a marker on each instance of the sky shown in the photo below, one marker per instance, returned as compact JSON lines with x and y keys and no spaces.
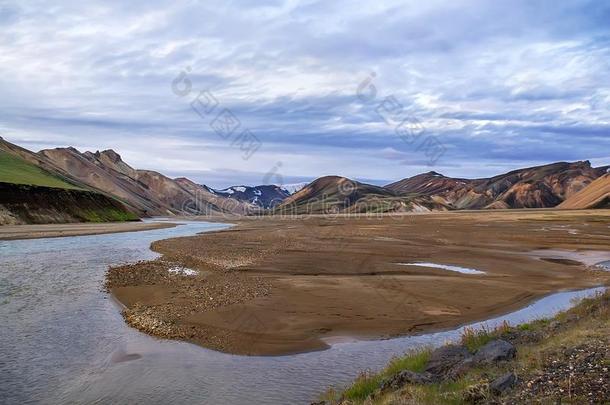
{"x":259,"y":92}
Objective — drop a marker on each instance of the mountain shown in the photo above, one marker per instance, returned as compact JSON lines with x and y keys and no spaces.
{"x":41,"y":163}
{"x":103,"y":184}
{"x":92,"y":170}
{"x":434,"y":184}
{"x":334,"y":194}
{"x":595,"y":195}
{"x":207,"y":197}
{"x":147,"y":192}
{"x":533,"y":187}
{"x":32,"y":190}
{"x":260,"y":196}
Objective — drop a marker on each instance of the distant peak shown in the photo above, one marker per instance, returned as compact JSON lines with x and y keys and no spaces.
{"x":330,"y":178}
{"x":110,"y":154}
{"x":71,"y":149}
{"x":433,"y":173}
{"x":184,"y":180}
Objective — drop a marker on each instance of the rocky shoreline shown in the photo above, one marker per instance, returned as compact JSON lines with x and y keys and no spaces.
{"x":565,"y":359}
{"x":191,"y":291}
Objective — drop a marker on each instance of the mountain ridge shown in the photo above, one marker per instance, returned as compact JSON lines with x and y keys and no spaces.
{"x":34,"y":191}
{"x":150,"y":193}
{"x":532,"y":187}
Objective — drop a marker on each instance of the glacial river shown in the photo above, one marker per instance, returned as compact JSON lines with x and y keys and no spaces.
{"x":63,"y":340}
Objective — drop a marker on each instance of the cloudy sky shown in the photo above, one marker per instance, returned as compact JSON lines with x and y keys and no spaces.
{"x":232,"y":92}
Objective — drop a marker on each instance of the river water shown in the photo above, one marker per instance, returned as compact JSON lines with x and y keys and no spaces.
{"x":63,"y":340}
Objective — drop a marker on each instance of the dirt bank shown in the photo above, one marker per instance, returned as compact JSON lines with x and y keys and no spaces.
{"x":27,"y":204}
{"x":275,"y":286}
{"x":12,"y":232}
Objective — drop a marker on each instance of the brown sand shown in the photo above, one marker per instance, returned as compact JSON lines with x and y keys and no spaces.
{"x":13,"y":232}
{"x":275,"y":286}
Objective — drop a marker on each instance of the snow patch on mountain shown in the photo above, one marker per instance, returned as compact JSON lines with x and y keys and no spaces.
{"x":293,"y":188}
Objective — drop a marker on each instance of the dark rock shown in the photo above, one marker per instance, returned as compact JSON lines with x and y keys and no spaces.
{"x":405,"y":377}
{"x":460,"y":369}
{"x":495,"y":351}
{"x":501,"y":384}
{"x":444,"y":359}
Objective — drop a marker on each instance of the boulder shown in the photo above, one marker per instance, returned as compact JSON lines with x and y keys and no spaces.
{"x":405,"y":377}
{"x":444,"y":359}
{"x":460,"y":369}
{"x":495,"y":351}
{"x":503,"y":383}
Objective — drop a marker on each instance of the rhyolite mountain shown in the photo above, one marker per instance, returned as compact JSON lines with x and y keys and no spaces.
{"x":119,"y":188}
{"x":148,"y":192}
{"x":334,"y":194}
{"x":534,"y":187}
{"x":595,"y":195}
{"x":34,"y":191}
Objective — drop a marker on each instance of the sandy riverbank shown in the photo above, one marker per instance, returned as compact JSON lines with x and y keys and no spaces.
{"x":13,"y":232}
{"x":274,"y":286}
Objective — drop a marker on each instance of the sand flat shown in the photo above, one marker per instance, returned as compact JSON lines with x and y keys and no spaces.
{"x":14,"y":232}
{"x":307,"y":280}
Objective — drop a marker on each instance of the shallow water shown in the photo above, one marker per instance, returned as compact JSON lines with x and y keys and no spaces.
{"x":463,"y":270}
{"x":63,"y":339}
{"x":604,"y":265}
{"x":587,"y":257}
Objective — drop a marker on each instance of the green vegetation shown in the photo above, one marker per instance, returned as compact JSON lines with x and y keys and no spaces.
{"x":108,"y":215}
{"x":368,"y":382}
{"x":15,"y":170}
{"x":588,"y":323}
{"x":37,"y":204}
{"x":415,"y":360}
{"x":473,"y":339}
{"x":450,"y":393}
{"x":365,"y":385}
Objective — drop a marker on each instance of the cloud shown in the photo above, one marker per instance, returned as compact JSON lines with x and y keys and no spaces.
{"x":501,"y":85}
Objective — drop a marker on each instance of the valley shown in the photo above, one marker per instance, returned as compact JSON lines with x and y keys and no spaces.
{"x":305,"y":202}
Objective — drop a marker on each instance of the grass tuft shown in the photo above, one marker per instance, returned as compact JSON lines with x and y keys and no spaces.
{"x":588,"y":320}
{"x":474,"y":339}
{"x":368,"y":382}
{"x":415,"y":360}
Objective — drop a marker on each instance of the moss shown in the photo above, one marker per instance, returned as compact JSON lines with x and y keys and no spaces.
{"x":15,"y":170}
{"x":108,"y":215}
